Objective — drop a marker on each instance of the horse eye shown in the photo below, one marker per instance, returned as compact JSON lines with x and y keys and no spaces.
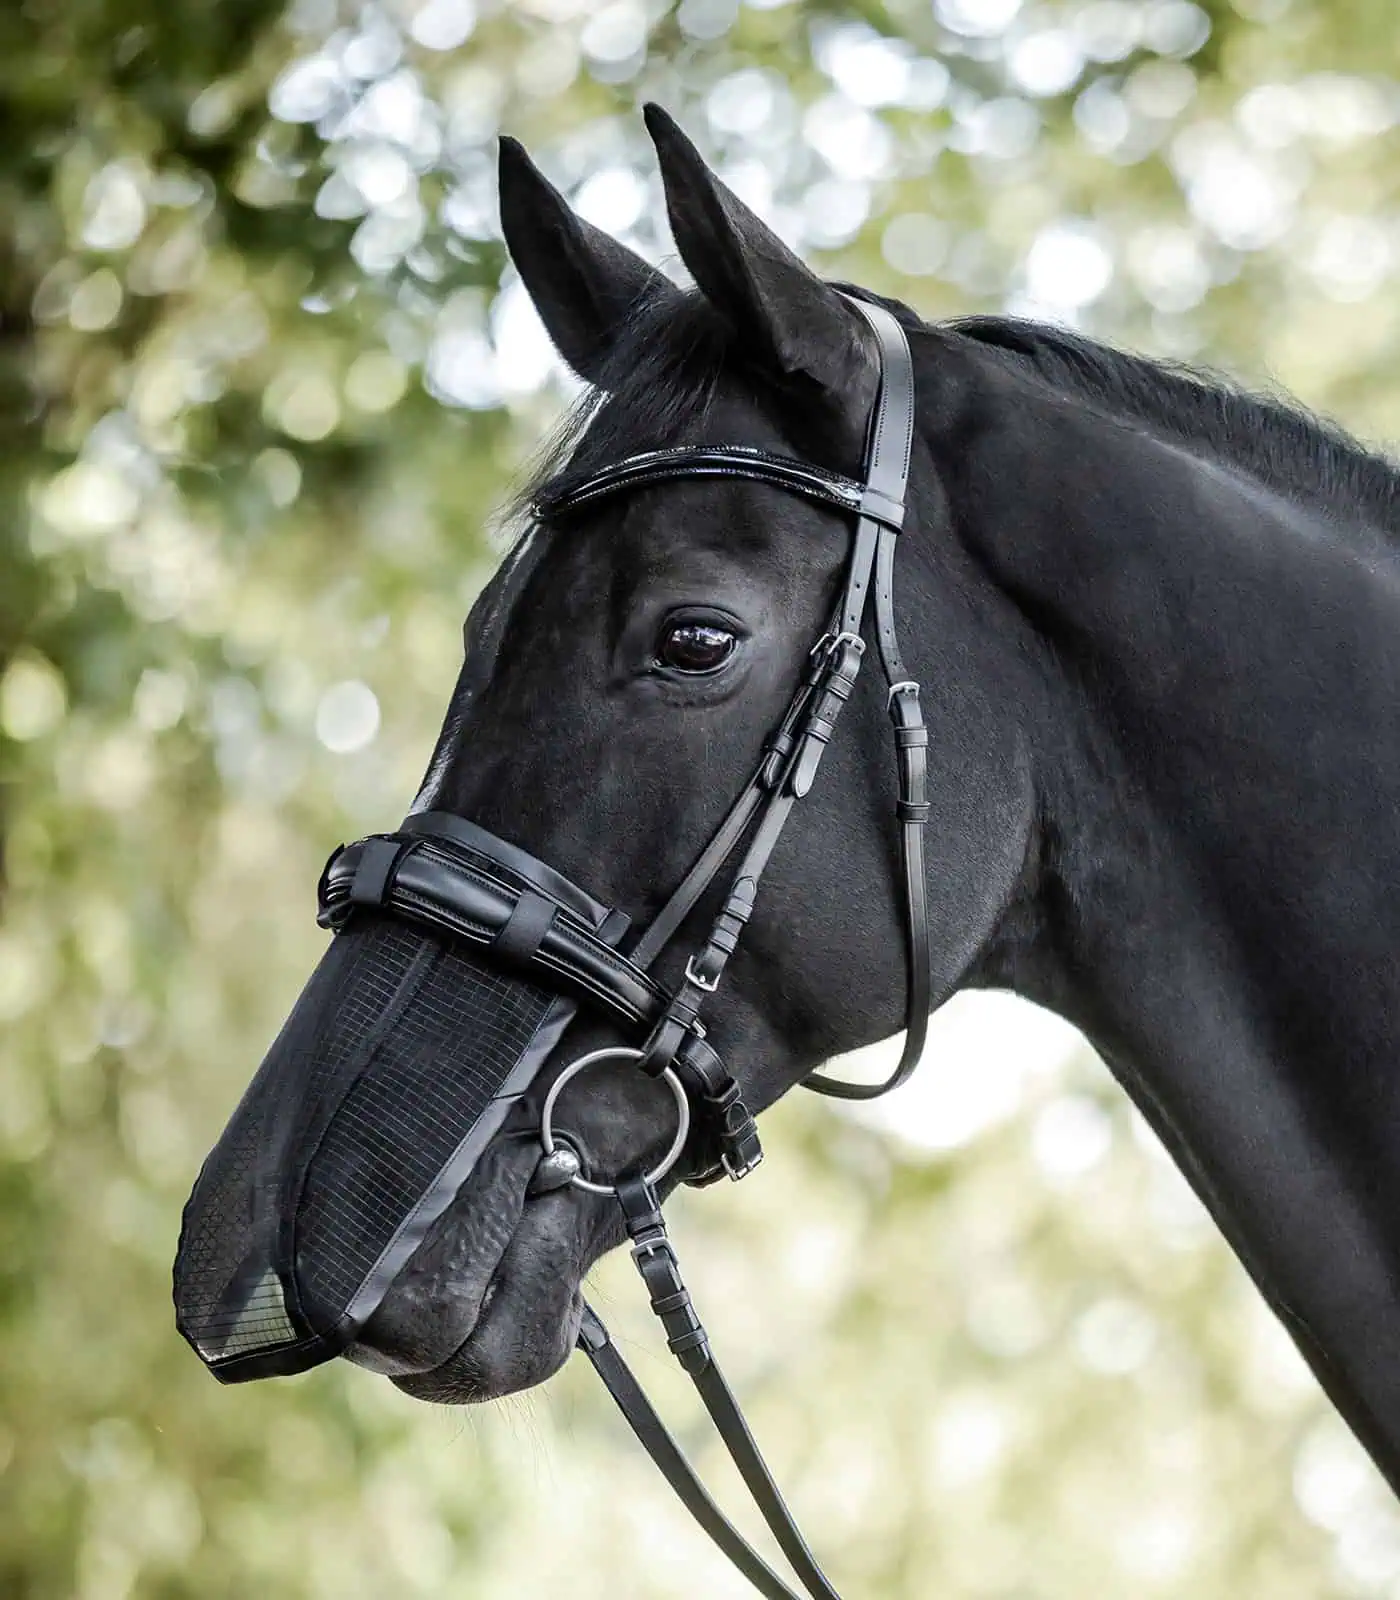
{"x":694,"y":646}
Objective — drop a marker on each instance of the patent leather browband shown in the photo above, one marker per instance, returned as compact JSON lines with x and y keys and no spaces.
{"x":729,"y":461}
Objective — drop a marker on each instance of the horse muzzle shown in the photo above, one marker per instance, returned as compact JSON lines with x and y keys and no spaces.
{"x":456,"y":968}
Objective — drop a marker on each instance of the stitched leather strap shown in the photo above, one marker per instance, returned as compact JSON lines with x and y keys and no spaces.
{"x":888,"y":461}
{"x":912,"y":810}
{"x":439,"y":887}
{"x":666,"y":923}
{"x":655,"y":1259}
{"x":654,"y":1437}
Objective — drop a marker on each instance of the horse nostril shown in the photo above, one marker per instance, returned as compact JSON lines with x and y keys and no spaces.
{"x":556,"y":1170}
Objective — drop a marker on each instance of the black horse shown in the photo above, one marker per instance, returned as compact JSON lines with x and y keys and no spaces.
{"x":1157,"y":622}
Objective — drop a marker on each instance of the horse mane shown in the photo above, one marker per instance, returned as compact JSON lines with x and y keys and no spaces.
{"x":669,"y":358}
{"x":1291,"y":450}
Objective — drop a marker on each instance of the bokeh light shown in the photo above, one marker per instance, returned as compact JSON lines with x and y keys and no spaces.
{"x":274,"y":373}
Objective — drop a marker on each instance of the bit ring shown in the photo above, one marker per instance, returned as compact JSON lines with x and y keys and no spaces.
{"x":617,"y":1053}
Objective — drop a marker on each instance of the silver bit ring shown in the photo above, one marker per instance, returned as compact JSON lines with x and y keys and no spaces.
{"x":617,"y":1053}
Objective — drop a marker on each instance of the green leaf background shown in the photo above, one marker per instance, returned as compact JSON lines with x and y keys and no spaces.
{"x":264,"y":373}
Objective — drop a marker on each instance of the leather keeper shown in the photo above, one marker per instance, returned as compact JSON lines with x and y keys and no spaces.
{"x":661,"y":1049}
{"x":374,"y":872}
{"x":883,"y":508}
{"x":524,"y":931}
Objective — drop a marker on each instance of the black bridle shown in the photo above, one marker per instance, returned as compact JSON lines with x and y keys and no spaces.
{"x":525,"y":919}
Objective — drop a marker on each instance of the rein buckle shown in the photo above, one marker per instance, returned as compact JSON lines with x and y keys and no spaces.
{"x":654,"y":1244}
{"x":736,"y":1168}
{"x":698,"y":978}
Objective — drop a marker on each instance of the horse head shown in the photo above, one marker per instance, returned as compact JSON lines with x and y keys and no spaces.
{"x":622,"y":672}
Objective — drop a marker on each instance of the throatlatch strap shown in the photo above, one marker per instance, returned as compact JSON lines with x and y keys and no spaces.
{"x":912,"y":809}
{"x":889,"y":452}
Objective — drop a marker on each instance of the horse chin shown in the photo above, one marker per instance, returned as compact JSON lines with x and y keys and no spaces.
{"x":490,"y":1303}
{"x":525,"y":1332}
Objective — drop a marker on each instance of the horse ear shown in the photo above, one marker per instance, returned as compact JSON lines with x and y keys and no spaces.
{"x":798,"y":329}
{"x":584,"y":283}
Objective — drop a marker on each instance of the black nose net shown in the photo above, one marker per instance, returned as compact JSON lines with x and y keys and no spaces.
{"x":400,"y":1060}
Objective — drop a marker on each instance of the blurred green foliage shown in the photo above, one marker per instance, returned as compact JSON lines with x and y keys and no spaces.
{"x":263,"y":374}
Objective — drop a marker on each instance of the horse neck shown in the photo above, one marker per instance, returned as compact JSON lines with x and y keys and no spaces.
{"x":1218,"y":769}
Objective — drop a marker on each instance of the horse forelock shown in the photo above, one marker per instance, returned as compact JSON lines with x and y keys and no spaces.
{"x":660,"y":377}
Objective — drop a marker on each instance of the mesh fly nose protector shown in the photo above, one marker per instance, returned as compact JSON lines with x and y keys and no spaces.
{"x":455,"y":969}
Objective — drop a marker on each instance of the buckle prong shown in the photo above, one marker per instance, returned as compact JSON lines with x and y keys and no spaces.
{"x":709,"y":985}
{"x":830,"y":643}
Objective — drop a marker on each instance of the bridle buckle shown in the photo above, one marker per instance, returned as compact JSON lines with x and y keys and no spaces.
{"x":654,"y":1243}
{"x":735,"y":1169}
{"x":698,"y":978}
{"x":829,"y":643}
